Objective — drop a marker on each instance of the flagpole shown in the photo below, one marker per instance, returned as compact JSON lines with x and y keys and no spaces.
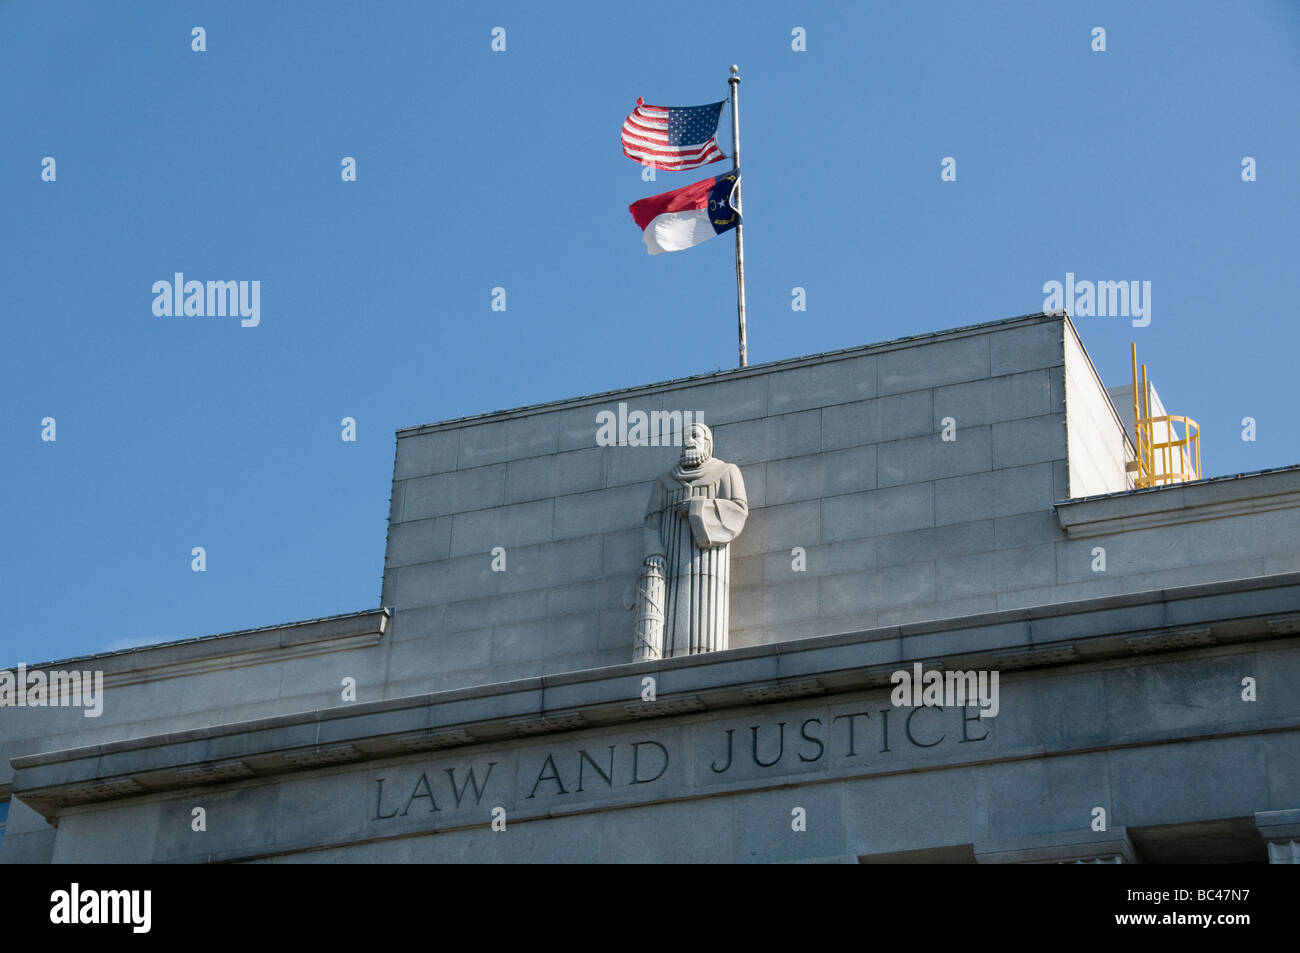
{"x":734,"y":81}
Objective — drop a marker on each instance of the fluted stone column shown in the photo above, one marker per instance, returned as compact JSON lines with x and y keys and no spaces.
{"x":648,"y":601}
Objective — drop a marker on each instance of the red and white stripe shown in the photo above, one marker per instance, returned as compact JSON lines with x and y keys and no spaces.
{"x":645,"y":139}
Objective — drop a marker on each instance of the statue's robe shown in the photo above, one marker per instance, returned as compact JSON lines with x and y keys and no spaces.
{"x":696,"y":551}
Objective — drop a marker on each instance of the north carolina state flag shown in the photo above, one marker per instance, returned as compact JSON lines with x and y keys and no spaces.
{"x":689,"y":215}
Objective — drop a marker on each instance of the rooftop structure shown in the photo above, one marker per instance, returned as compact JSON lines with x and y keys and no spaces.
{"x":959,"y":502}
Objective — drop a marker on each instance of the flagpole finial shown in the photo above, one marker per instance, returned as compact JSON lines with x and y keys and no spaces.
{"x":735,"y":72}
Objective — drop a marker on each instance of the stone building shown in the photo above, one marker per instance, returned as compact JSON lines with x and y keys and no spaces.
{"x":958,"y":502}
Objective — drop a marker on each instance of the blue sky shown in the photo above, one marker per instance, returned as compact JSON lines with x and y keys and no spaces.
{"x":478,"y":169}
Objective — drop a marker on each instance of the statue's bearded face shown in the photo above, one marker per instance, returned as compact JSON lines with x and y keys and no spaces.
{"x":695,"y":448}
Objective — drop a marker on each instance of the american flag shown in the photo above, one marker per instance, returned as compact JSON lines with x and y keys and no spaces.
{"x":673,"y":138}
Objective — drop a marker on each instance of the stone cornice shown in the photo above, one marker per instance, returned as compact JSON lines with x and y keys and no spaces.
{"x":1181,"y":503}
{"x":1063,"y":847}
{"x":1124,"y":628}
{"x":273,"y":643}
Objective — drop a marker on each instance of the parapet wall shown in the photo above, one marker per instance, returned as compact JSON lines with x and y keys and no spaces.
{"x":514,"y":535}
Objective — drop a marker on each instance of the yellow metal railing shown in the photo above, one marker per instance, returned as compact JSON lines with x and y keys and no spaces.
{"x":1179,"y":458}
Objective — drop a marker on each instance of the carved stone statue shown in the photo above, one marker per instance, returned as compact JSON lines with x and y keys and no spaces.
{"x":695,"y":511}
